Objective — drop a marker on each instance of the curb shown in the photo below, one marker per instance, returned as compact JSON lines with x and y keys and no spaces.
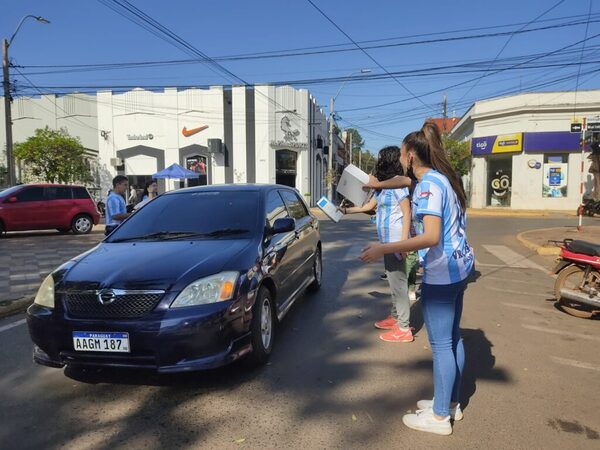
{"x":516,"y":213}
{"x":12,"y":307}
{"x":539,"y":249}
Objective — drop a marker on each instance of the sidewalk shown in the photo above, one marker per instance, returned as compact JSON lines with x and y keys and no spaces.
{"x":537,"y":240}
{"x":507,"y":212}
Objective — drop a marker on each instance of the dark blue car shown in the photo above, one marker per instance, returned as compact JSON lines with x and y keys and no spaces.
{"x":195,"y":279}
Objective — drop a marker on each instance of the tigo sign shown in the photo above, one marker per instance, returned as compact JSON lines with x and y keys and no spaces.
{"x":507,"y":143}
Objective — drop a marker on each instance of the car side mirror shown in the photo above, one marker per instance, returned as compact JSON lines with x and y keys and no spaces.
{"x":110,"y":228}
{"x":11,"y":200}
{"x":283,"y":225}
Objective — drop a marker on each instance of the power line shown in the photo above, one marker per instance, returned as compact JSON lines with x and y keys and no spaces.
{"x":73,"y":68}
{"x":508,"y":41}
{"x":470,"y":80}
{"x":365,"y":52}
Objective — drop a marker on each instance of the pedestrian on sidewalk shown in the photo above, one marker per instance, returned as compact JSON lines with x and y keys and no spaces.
{"x":116,"y":208}
{"x":439,"y":216}
{"x":393,"y":225}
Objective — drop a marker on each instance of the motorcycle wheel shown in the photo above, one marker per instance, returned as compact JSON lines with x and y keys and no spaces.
{"x":571,"y":278}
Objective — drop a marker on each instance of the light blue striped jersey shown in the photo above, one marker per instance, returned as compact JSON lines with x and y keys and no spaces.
{"x":389,"y":214}
{"x":451,"y":260}
{"x":115,"y":204}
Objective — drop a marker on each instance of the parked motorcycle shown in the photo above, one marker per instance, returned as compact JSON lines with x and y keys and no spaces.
{"x":577,"y":286}
{"x":589,"y":207}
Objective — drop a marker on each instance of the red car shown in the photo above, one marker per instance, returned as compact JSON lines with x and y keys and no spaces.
{"x":46,"y":206}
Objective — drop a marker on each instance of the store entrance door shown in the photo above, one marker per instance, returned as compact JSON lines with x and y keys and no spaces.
{"x":286,"y":167}
{"x":499,"y":186}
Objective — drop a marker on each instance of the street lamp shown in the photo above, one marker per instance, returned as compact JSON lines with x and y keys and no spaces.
{"x":7,"y":97}
{"x":331,"y":118}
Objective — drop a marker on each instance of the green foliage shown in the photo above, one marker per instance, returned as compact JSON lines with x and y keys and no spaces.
{"x":459,"y":154}
{"x":54,"y":157}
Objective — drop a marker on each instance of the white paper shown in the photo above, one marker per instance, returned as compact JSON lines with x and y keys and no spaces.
{"x":351,"y":185}
{"x":330,"y":209}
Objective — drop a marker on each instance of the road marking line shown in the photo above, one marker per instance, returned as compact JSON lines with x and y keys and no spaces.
{"x":574,"y":363}
{"x":512,"y":258}
{"x":505,"y":280}
{"x":531,"y":308}
{"x":562,"y":333}
{"x":508,"y":291}
{"x":12,"y":325}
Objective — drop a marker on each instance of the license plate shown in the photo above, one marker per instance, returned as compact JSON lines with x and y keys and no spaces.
{"x":90,"y":341}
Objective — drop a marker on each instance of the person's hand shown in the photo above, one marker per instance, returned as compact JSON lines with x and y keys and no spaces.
{"x":372,"y":253}
{"x":372,"y":184}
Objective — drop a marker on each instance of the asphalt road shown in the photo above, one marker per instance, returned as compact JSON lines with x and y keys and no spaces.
{"x":530,"y":382}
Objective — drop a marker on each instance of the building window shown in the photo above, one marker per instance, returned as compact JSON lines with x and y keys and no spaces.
{"x":286,"y":162}
{"x":198,"y":164}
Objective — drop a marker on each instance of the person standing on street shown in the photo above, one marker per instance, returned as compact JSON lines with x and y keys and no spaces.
{"x":150,"y":191}
{"x":116,"y":208}
{"x":439,"y":216}
{"x":133,"y":198}
{"x":393,"y":225}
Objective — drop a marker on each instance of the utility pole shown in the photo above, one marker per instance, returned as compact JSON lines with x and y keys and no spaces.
{"x":444,"y":105}
{"x":360,"y":159}
{"x":330,"y":158}
{"x":350,"y":140}
{"x":10,"y":162}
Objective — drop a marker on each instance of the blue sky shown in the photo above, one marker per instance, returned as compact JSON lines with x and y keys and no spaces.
{"x":88,"y":32}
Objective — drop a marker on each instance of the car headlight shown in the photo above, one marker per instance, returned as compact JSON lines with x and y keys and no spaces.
{"x":212,"y":289}
{"x":45,"y":294}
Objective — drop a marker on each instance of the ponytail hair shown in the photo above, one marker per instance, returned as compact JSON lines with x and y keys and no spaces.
{"x":427,"y":144}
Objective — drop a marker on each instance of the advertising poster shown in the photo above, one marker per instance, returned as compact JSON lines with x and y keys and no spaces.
{"x":555,"y":180}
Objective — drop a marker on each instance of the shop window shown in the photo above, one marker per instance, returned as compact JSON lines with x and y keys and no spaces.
{"x":499,"y":180}
{"x":556,"y":171}
{"x":559,"y":158}
{"x":198,"y":164}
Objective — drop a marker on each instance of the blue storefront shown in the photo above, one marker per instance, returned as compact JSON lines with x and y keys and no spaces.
{"x":528,"y":170}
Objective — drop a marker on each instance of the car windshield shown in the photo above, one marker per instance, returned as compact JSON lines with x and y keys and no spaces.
{"x":193,"y":215}
{"x":10,"y":190}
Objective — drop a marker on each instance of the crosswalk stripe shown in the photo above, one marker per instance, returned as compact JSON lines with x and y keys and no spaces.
{"x":512,"y":258}
{"x":575,"y":363}
{"x":561,"y":332}
{"x":12,"y":325}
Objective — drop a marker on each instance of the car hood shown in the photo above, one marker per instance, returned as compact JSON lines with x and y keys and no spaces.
{"x":150,"y":265}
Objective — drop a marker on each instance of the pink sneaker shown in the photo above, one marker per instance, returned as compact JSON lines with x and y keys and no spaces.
{"x":386,"y":324}
{"x":397,"y":335}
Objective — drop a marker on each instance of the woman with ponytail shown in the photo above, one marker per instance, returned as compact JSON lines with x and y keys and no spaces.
{"x":439,"y":218}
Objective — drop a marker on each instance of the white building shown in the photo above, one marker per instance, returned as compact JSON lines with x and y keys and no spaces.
{"x":263,"y":134}
{"x":524,"y":154}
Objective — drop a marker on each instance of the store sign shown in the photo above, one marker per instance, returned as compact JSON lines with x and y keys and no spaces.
{"x":507,"y":143}
{"x":287,"y":144}
{"x":576,"y":127}
{"x":593,"y":126}
{"x":140,"y":137}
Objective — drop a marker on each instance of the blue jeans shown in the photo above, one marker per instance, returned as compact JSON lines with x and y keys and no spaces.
{"x":442,"y":307}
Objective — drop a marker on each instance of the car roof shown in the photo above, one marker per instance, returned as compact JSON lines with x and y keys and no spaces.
{"x":231,"y":188}
{"x":48,"y":185}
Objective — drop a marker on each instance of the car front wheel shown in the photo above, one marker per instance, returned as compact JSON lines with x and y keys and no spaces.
{"x":317,"y":271}
{"x":82,"y":224}
{"x":262,"y":328}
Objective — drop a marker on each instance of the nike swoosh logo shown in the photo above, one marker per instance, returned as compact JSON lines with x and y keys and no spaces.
{"x":193,"y":131}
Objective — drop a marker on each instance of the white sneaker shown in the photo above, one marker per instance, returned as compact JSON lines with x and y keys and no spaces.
{"x":455,"y":413}
{"x":424,"y":420}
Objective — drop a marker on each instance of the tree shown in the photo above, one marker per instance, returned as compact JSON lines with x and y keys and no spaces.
{"x":357,"y":144}
{"x":459,"y":154}
{"x":54,"y":156}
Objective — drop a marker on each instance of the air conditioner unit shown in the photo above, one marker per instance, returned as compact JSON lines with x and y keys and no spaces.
{"x":215,"y":146}
{"x":116,"y":162}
